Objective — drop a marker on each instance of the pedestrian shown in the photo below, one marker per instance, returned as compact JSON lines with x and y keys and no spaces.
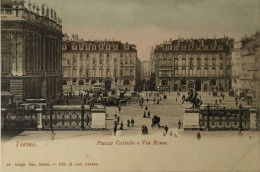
{"x":118,"y":120}
{"x":183,"y":97}
{"x":216,"y":101}
{"x":236,"y":103}
{"x":144,"y":116}
{"x":223,"y":96}
{"x":219,"y":101}
{"x":119,"y":108}
{"x":128,"y":123}
{"x":166,"y":129}
{"x":148,"y":116}
{"x":115,"y":129}
{"x":132,"y":122}
{"x":160,"y":98}
{"x":146,"y":108}
{"x":179,"y":123}
{"x":198,"y":136}
{"x":176,"y":99}
{"x":147,"y":99}
{"x":154,"y":100}
{"x":121,"y":125}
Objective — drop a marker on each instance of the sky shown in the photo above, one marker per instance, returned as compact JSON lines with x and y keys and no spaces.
{"x":147,"y":23}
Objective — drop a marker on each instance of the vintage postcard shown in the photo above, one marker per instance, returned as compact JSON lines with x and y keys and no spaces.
{"x":130,"y":85}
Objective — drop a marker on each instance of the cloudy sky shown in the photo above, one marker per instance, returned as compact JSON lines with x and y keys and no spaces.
{"x":150,"y":22}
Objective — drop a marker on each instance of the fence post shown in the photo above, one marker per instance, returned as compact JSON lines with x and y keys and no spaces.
{"x":240,"y":117}
{"x":39,"y":118}
{"x":82,"y":117}
{"x":51,"y":111}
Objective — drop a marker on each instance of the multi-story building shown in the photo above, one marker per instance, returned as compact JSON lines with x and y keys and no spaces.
{"x":246,"y":65}
{"x":31,"y":51}
{"x":145,"y":70}
{"x":200,"y":64}
{"x":113,"y":64}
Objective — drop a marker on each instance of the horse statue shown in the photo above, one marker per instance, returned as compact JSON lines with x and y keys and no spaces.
{"x":192,"y":98}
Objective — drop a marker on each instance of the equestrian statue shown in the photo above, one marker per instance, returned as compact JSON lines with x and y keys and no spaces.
{"x":193,"y":98}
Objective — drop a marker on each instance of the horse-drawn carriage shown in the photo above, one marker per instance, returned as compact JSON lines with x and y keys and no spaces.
{"x":156,"y":121}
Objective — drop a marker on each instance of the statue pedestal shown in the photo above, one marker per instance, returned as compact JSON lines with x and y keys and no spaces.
{"x":191,"y":119}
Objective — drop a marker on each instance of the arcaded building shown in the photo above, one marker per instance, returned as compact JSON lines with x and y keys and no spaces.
{"x":31,"y":51}
{"x":200,"y":64}
{"x":110,"y":63}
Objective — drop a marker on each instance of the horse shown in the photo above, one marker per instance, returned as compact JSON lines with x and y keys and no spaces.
{"x":196,"y":103}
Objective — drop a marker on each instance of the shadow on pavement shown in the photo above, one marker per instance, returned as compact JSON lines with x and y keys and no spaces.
{"x":8,"y":135}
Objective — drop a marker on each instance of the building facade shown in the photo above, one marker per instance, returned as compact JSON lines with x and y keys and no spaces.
{"x":113,"y":64}
{"x":246,"y":65}
{"x":145,"y":70}
{"x":31,"y":51}
{"x":200,"y":64}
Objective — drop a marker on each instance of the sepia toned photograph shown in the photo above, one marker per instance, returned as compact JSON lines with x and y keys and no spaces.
{"x":130,"y":85}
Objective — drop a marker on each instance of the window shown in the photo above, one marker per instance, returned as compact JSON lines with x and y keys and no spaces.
{"x":68,"y":62}
{"x":100,"y":54}
{"x":206,"y":72}
{"x":176,"y":62}
{"x":107,"y":54}
{"x":81,"y":82}
{"x":87,"y":81}
{"x":191,"y":62}
{"x":198,"y":72}
{"x":93,"y":72}
{"x":126,"y":82}
{"x":100,"y":80}
{"x":183,"y":62}
{"x":183,"y":72}
{"x":176,"y":72}
{"x":64,"y":82}
{"x":115,"y":72}
{"x":131,"y":61}
{"x":206,"y":62}
{"x":100,"y":61}
{"x":87,"y":72}
{"x":221,"y":72}
{"x":221,"y":62}
{"x":131,"y":72}
{"x":115,"y":61}
{"x":121,"y":54}
{"x":93,"y":61}
{"x":213,"y":62}
{"x":87,"y":55}
{"x":74,"y":81}
{"x":198,"y":62}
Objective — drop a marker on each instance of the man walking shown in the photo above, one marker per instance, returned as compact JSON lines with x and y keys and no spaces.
{"x":166,"y":129}
{"x":132,"y":122}
{"x":179,"y":123}
{"x":115,"y":129}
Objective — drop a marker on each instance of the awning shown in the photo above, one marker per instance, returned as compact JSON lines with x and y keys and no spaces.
{"x":6,"y":93}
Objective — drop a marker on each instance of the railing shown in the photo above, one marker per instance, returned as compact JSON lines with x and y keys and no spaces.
{"x":19,"y":119}
{"x":224,"y":119}
{"x":65,"y":118}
